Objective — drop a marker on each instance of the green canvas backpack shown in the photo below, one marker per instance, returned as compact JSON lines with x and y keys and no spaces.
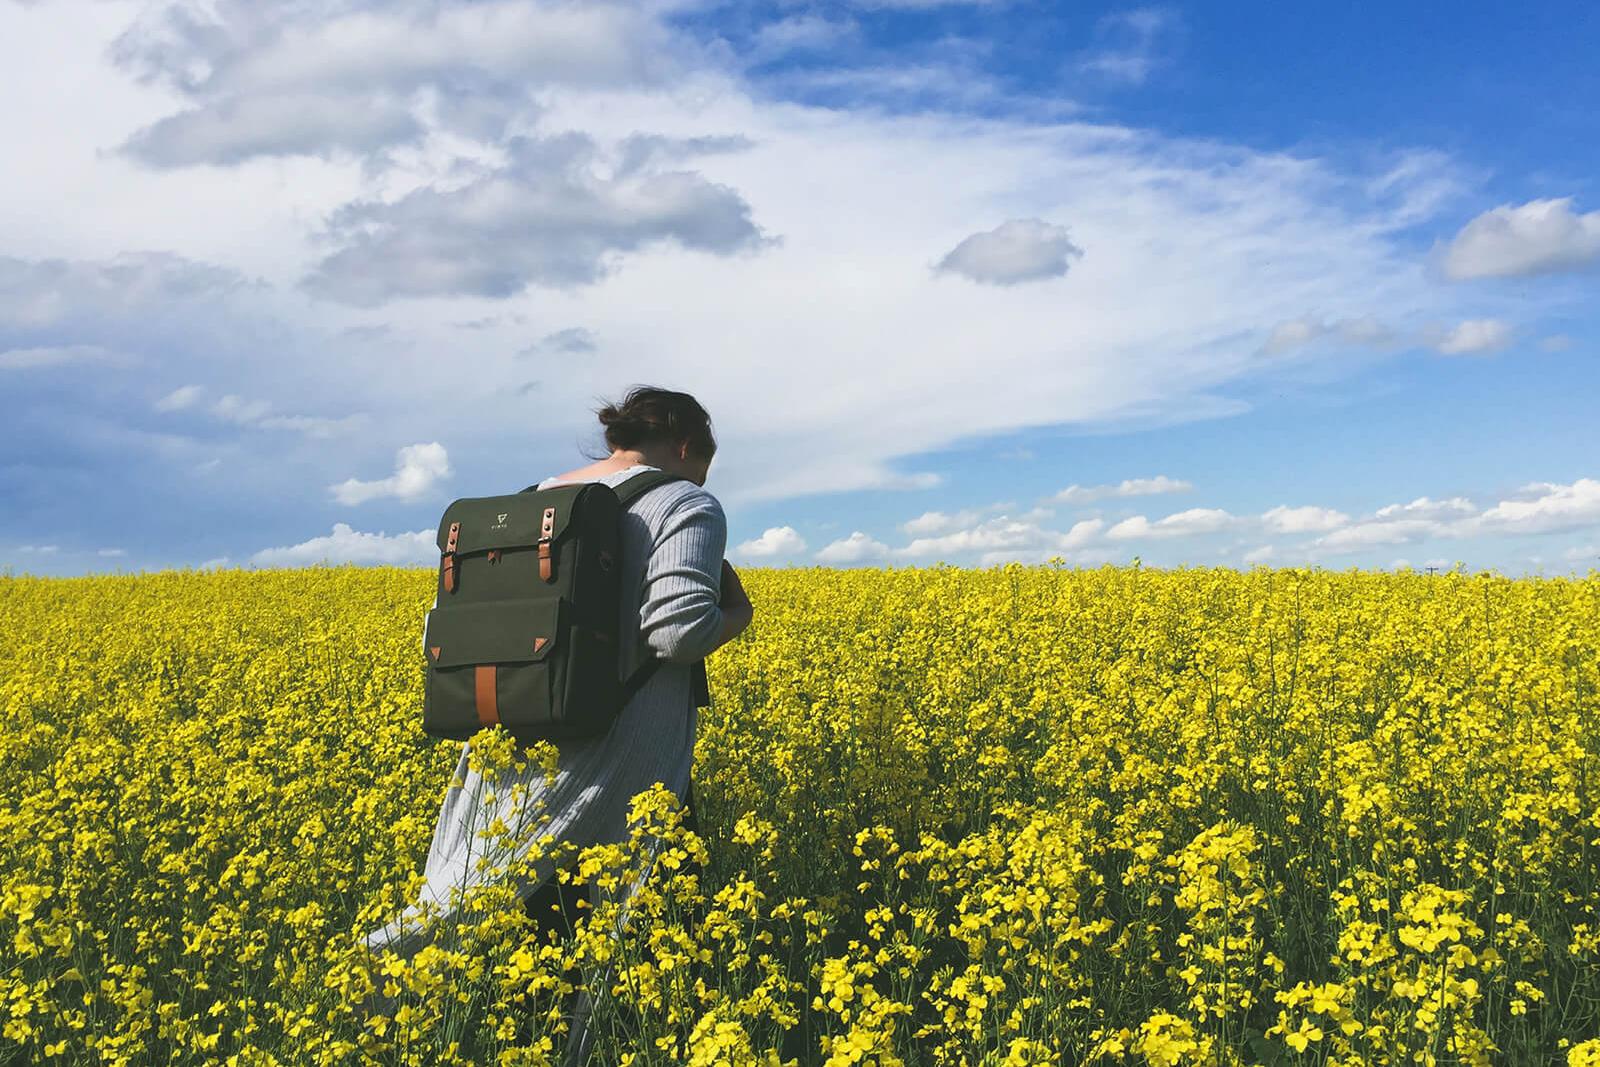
{"x":524,"y":631}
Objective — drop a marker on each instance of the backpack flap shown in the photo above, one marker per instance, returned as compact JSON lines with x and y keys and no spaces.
{"x":534,"y":523}
{"x":515,"y":520}
{"x":501,"y":662}
{"x":502,"y":631}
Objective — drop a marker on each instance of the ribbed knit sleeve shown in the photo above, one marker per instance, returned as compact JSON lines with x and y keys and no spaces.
{"x":679,"y":617}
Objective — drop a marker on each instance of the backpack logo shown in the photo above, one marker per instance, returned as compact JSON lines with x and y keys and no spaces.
{"x":500,"y":521}
{"x":501,"y":517}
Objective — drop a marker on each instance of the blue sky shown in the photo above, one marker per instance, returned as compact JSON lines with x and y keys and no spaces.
{"x":958,"y":281}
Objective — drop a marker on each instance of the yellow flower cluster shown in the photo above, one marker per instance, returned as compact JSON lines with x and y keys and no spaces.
{"x":1015,"y":816}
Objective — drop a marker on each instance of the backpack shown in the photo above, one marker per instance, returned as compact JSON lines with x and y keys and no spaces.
{"x":524,"y":630}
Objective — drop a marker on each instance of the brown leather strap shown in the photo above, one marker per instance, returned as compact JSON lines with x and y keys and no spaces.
{"x":448,"y":560}
{"x":547,"y":528}
{"x":483,"y":677}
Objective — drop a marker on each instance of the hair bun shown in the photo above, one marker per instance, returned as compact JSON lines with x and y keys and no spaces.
{"x":650,"y":414}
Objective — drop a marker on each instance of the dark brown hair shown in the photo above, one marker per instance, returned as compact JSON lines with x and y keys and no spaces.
{"x":649,"y":414}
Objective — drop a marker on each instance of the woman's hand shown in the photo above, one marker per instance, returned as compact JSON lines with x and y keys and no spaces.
{"x":733,"y":594}
{"x":737,"y":611}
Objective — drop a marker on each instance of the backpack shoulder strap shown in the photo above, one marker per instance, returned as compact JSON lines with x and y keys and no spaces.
{"x":634,"y":487}
{"x":643,"y":482}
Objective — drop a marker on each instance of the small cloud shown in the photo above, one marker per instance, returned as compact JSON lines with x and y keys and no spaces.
{"x":417,"y":468}
{"x":1180,"y":524}
{"x":1475,"y":335}
{"x":776,"y":541}
{"x":257,"y":414}
{"x":1427,"y":508}
{"x":185,"y":396}
{"x":1127,"y":51}
{"x":1364,"y":330}
{"x":1260,"y":554}
{"x":1539,"y":237}
{"x":1556,"y":342}
{"x":1080,"y":494}
{"x":112,"y":553}
{"x":1303,"y":520}
{"x":937,"y":522}
{"x":1358,"y":536}
{"x":1545,"y":507}
{"x":799,"y":33}
{"x":573,"y":341}
{"x":38,"y":550}
{"x":1018,"y":250}
{"x":347,"y":545}
{"x":856,"y":548}
{"x":233,"y":408}
{"x":215,"y":564}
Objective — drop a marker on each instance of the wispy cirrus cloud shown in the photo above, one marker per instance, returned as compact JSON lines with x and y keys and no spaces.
{"x":1087,"y":494}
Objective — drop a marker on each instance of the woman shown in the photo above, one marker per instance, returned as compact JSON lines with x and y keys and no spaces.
{"x":690,"y":602}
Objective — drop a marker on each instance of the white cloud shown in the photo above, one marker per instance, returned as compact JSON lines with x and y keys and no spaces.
{"x":1557,"y":342}
{"x":1284,"y":519}
{"x":1018,"y":250}
{"x":1180,"y":524}
{"x":776,"y":541}
{"x":112,"y":553}
{"x":1364,"y":330}
{"x":857,"y":548}
{"x":557,"y":214}
{"x":185,"y":396}
{"x":1368,"y":534}
{"x":1583,"y":554}
{"x":38,"y":550}
{"x":1545,"y":507}
{"x":324,"y":81}
{"x":1001,"y":532}
{"x":1260,"y":554}
{"x":573,"y":341}
{"x":1427,"y":508}
{"x":938,"y":522}
{"x":1081,"y":494}
{"x":1475,"y":335}
{"x":257,"y":414}
{"x":1126,"y":51}
{"x":799,"y":33}
{"x":236,"y":409}
{"x":1539,"y":237}
{"x":417,"y":468}
{"x":346,"y":545}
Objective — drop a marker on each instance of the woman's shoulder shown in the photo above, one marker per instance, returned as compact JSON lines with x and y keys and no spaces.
{"x":684,"y":495}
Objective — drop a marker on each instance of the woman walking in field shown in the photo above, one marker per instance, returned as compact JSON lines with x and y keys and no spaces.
{"x":689,"y":603}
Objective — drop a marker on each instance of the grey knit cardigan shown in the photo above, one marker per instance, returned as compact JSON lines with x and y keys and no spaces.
{"x":673,"y":540}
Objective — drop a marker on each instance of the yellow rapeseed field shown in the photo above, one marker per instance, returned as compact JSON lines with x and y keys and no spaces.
{"x":1022,"y":815}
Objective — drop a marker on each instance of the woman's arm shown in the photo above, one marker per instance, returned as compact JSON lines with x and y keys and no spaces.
{"x":737,"y":611}
{"x":681,"y":617}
